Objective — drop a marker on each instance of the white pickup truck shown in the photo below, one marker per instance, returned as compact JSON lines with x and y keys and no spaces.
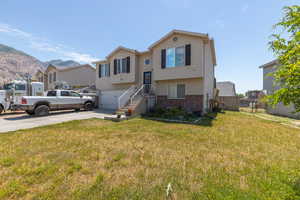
{"x":55,"y":100}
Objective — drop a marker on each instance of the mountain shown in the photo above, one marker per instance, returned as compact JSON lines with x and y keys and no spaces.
{"x":61,"y":63}
{"x":14,"y":62}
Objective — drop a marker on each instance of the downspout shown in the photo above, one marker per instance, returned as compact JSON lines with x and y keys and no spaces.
{"x":203,"y":64}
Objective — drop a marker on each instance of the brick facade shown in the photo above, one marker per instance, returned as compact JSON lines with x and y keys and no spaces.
{"x":189,"y":103}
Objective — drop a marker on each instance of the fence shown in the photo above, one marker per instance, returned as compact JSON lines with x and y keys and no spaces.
{"x":229,"y":103}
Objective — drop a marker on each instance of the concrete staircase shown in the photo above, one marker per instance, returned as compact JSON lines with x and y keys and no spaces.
{"x":137,"y":103}
{"x":132,"y":106}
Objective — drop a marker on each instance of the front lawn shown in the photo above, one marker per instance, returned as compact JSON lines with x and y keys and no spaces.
{"x":235,"y":156}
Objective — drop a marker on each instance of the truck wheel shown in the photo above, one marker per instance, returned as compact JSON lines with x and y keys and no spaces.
{"x":42,"y":110}
{"x":29,"y":112}
{"x":88,"y":106}
{"x":1,"y":109}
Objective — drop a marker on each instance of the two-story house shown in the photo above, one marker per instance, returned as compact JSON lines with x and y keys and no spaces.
{"x":178,"y":69}
{"x":269,"y":86}
{"x":76,"y":77}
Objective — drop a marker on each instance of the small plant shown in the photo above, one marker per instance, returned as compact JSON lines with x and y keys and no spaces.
{"x":175,"y":113}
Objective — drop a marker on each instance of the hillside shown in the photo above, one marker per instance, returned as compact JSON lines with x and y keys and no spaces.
{"x":14,"y":62}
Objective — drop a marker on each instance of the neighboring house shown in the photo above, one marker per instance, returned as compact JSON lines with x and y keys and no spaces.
{"x":270,"y":87}
{"x":226,"y":89}
{"x":227,"y":96}
{"x":178,"y":70}
{"x":253,"y":96}
{"x":76,"y":77}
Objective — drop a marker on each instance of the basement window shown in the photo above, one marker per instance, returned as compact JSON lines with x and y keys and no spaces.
{"x":176,"y":91}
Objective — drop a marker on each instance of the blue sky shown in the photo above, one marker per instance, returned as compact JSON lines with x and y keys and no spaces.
{"x":85,"y":30}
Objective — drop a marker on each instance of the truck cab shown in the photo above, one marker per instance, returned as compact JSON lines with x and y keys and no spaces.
{"x":13,"y":92}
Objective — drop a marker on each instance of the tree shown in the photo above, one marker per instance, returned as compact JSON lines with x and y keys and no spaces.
{"x":286,"y":46}
{"x":241,"y":95}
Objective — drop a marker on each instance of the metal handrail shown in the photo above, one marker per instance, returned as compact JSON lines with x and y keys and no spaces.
{"x":120,"y":97}
{"x":134,"y":95}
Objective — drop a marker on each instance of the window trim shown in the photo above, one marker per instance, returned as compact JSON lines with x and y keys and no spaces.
{"x":176,"y":91}
{"x":184,"y":57}
{"x":120,"y":68}
{"x":50,"y":78}
{"x":54,"y":77}
{"x":106,"y":71}
{"x":146,"y":63}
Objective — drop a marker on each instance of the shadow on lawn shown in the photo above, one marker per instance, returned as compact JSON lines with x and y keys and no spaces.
{"x":206,"y":120}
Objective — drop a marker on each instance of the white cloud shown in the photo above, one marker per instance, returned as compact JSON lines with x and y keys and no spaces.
{"x":47,"y":46}
{"x":244,"y":8}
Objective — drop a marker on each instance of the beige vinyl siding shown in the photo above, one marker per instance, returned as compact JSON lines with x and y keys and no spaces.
{"x":195,"y":70}
{"x":82,"y":76}
{"x":123,"y":77}
{"x":192,"y":86}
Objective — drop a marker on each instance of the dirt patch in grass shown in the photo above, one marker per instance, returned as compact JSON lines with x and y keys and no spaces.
{"x":237,"y":157}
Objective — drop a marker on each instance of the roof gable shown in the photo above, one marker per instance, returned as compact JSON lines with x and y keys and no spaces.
{"x":170,"y":34}
{"x":77,"y":67}
{"x":121,"y":48}
{"x":50,"y":67}
{"x":188,"y":33}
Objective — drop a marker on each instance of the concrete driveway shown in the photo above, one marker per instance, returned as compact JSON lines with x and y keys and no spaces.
{"x":14,"y":122}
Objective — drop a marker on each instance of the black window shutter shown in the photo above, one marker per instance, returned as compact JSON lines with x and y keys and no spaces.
{"x":99,"y":70}
{"x":115,"y":66}
{"x":188,"y":54}
{"x":163,"y":58}
{"x":128,"y":64}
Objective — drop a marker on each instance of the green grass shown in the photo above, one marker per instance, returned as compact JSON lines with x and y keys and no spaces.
{"x":235,"y":156}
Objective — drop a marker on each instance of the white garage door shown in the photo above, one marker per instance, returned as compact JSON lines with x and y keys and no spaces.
{"x":109,"y":99}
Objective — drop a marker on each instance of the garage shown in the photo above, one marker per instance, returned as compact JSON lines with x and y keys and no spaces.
{"x":109,"y":99}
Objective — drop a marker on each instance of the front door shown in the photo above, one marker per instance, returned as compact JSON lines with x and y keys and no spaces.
{"x":147,"y":81}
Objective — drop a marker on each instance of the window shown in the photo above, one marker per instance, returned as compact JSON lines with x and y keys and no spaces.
{"x":50,"y":78}
{"x":172,"y":92}
{"x":8,"y":86}
{"x":20,"y":87}
{"x":147,"y":61}
{"x":176,"y":91}
{"x":122,"y":65}
{"x":51,"y":94}
{"x":54,"y":77}
{"x":104,"y":70}
{"x":74,"y":94}
{"x":179,"y":56}
{"x":170,"y":57}
{"x":181,"y":91}
{"x":65,"y":93}
{"x":174,"y":57}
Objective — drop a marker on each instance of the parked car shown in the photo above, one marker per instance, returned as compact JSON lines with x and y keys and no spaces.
{"x":55,"y":100}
